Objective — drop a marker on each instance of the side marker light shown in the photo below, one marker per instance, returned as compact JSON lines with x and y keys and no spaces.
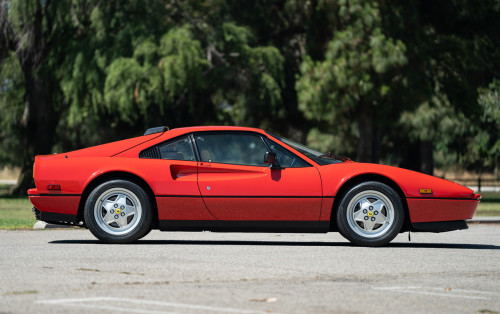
{"x":53,"y":187}
{"x":425,"y":191}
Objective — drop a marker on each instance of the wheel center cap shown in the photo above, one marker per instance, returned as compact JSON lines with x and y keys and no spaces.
{"x":118,"y":211}
{"x":370,"y":214}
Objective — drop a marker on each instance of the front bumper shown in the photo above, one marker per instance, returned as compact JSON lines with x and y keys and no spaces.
{"x":439,"y":226}
{"x":441,"y":209}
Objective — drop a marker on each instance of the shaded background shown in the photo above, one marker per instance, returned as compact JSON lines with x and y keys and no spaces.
{"x":409,"y":83}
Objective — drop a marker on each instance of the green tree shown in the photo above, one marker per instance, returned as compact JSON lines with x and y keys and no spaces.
{"x":484,"y":146}
{"x":30,"y":31}
{"x":449,"y":57}
{"x":353,"y":83}
{"x":106,"y":69}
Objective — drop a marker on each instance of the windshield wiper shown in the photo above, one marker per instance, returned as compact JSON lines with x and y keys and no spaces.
{"x":332,"y":155}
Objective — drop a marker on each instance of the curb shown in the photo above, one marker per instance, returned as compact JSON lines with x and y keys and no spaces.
{"x":484,"y":220}
{"x":44,"y":225}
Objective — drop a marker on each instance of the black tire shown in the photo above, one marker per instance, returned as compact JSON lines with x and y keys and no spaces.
{"x":118,"y":211}
{"x":146,"y":233}
{"x":370,"y":214}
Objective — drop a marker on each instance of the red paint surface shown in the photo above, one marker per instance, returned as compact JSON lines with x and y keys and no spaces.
{"x":188,"y":180}
{"x":182,"y":208}
{"x":428,"y":210}
{"x":56,"y":204}
{"x":326,"y":208}
{"x":253,"y":186}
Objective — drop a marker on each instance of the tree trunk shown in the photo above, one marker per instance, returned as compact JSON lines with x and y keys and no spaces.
{"x":37,"y":127}
{"x":426,"y":157}
{"x":369,"y":135}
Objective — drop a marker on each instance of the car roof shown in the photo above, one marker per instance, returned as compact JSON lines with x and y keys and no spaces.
{"x":217,"y":128}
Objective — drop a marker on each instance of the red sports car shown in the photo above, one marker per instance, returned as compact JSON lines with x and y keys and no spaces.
{"x":238,"y":179}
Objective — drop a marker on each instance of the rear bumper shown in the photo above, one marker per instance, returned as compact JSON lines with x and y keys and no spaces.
{"x":55,"y":218}
{"x":55,"y":208}
{"x":425,"y":210}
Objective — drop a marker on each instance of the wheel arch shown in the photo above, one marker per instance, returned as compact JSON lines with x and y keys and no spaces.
{"x":118,"y":175}
{"x":365,"y":178}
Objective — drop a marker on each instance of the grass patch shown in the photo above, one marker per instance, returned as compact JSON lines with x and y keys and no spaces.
{"x":22,"y":292}
{"x":489,"y":205}
{"x":488,"y":209}
{"x":5,"y":188}
{"x":490,"y":197}
{"x":15,"y":213}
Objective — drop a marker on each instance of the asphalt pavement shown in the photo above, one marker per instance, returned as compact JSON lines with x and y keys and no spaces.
{"x":67,"y":270}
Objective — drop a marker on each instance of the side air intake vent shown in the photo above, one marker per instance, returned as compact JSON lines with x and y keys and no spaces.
{"x":151,"y":153}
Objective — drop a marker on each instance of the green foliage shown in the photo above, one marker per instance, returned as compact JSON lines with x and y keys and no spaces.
{"x":347,"y":75}
{"x":361,"y":64}
{"x":489,"y":100}
{"x":11,"y":109}
{"x":488,"y":137}
{"x":182,"y":62}
{"x":123,"y":78}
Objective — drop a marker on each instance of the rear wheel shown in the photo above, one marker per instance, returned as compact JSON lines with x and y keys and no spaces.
{"x":118,"y":211}
{"x":370,"y":214}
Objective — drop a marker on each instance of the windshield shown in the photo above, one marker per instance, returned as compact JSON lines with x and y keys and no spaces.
{"x":320,"y":158}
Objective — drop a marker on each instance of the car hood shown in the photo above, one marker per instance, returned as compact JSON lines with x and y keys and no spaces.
{"x":409,"y":181}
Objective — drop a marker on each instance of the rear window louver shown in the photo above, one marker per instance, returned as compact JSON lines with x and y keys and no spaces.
{"x":151,"y":153}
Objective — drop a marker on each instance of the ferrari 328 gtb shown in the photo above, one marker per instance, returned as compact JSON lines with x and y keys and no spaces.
{"x":242,"y":180}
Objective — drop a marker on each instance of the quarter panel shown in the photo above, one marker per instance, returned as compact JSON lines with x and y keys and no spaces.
{"x":165,"y":177}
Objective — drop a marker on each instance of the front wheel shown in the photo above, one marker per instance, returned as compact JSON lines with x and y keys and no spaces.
{"x":370,"y":214}
{"x":118,"y":211}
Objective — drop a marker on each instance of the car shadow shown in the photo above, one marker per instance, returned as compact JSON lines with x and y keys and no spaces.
{"x":291,"y":243}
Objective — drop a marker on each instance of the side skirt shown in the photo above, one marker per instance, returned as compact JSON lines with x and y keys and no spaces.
{"x":439,"y":226}
{"x":245,"y":226}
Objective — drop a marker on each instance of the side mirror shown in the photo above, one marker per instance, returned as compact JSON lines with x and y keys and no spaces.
{"x":270,"y":158}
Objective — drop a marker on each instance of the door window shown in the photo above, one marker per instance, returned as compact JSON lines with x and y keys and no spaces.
{"x":232,"y":148}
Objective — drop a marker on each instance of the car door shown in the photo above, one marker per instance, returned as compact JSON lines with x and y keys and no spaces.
{"x":236,"y":183}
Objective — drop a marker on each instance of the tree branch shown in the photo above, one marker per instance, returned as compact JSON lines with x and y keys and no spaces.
{"x":8,"y":39}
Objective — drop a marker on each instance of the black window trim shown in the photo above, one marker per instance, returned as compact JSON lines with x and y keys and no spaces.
{"x":262,"y":137}
{"x":275,"y":138}
{"x":194,"y":145}
{"x":173,"y":139}
{"x":228,"y":132}
{"x":292,"y":153}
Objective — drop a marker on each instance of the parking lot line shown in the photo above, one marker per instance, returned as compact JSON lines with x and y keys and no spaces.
{"x":425,"y":291}
{"x":90,"y":303}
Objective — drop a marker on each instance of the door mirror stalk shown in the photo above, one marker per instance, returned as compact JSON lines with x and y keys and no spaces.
{"x":270,"y":158}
